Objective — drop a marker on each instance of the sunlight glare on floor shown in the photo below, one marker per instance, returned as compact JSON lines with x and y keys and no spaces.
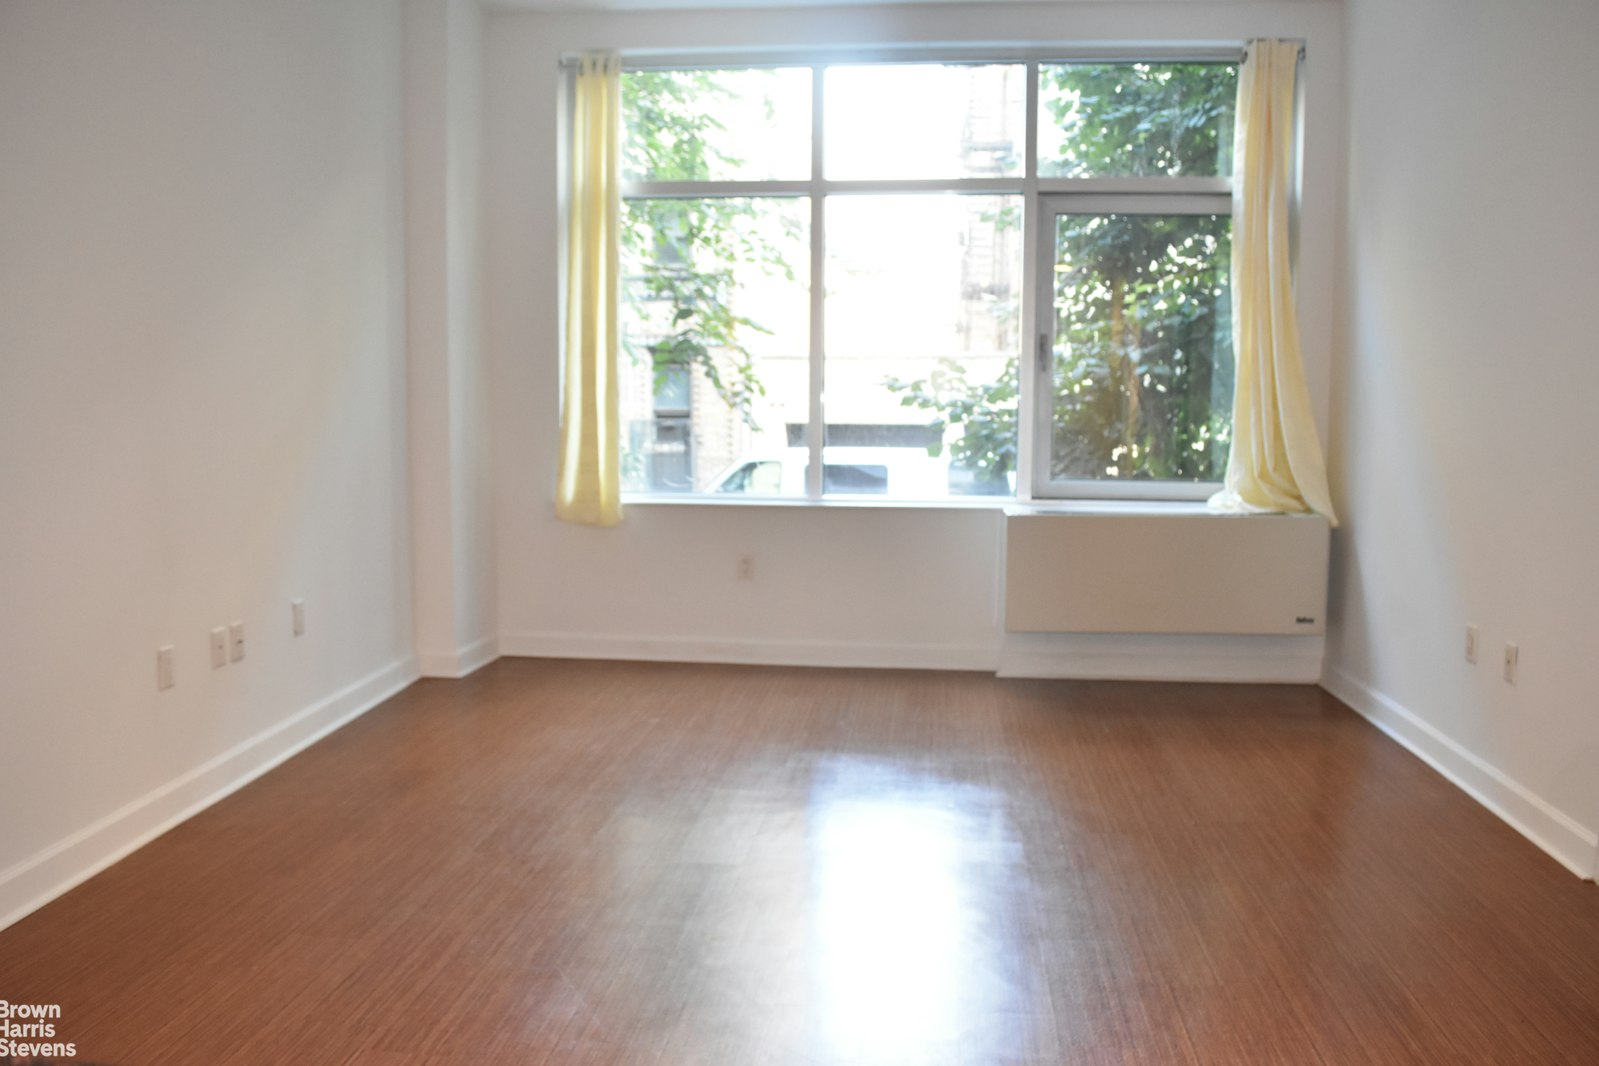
{"x":907,"y":956}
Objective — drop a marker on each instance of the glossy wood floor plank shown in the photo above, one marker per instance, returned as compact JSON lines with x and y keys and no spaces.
{"x":566,"y":862}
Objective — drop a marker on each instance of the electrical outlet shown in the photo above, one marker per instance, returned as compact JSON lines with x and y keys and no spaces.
{"x":746,"y":567}
{"x":1471,"y":644}
{"x":297,"y":612}
{"x":164,"y":677}
{"x":236,"y":641}
{"x":219,"y":647}
{"x":1512,"y":661}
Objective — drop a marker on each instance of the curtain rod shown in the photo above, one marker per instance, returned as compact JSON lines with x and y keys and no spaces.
{"x":956,"y":55}
{"x":1245,"y":57}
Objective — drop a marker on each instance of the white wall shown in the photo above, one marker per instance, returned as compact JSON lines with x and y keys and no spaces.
{"x":1463,"y":414}
{"x":452,"y":518}
{"x":832,"y":584}
{"x":201,"y":403}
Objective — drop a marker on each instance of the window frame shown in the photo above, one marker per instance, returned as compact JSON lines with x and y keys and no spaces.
{"x":1051,"y":207}
{"x":1041,"y":198}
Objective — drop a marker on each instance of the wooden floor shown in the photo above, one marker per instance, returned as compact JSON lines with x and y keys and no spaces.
{"x":560,"y":862}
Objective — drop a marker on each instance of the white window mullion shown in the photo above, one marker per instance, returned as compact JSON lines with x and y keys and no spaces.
{"x":1151,"y":186}
{"x":815,"y":426}
{"x":704,"y":190}
{"x":902,"y":186}
{"x":1029,"y":385}
{"x":1040,"y":349}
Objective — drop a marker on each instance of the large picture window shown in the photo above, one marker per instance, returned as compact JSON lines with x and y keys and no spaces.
{"x":879,"y":280}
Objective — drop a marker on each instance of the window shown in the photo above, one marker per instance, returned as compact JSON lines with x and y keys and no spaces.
{"x":829,"y":262}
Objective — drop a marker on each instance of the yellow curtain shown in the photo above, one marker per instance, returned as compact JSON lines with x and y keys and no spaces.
{"x":1276,"y":461}
{"x":589,"y":486}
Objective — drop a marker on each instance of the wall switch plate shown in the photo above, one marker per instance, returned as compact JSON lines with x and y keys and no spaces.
{"x":1512,"y":661}
{"x":1471,"y":644}
{"x":219,"y":647}
{"x":297,"y":612}
{"x":164,"y":677}
{"x":236,"y":641}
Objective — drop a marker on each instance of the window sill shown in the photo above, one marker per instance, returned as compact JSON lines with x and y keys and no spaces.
{"x":976,"y":503}
{"x":1109,"y":507}
{"x":1007,"y":504}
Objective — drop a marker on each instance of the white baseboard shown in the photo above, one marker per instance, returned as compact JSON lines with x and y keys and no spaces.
{"x":1570,"y":844}
{"x":1136,"y":657}
{"x":751,"y":652}
{"x":1155,"y":657}
{"x":460,"y":662}
{"x":40,"y":878}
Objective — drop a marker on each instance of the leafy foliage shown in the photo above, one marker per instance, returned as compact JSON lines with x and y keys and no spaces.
{"x":680,"y":256}
{"x":667,"y":117}
{"x":1140,"y":307}
{"x":986,"y":413}
{"x":1139,"y":119}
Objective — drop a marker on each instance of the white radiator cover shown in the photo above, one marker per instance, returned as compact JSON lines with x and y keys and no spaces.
{"x":1178,"y":569}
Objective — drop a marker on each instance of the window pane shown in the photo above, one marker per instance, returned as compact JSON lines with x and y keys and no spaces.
{"x":1136,"y":119}
{"x":715,"y":338}
{"x":1143,"y":347}
{"x":923,"y":299}
{"x":902,"y":121}
{"x":717,"y":125}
